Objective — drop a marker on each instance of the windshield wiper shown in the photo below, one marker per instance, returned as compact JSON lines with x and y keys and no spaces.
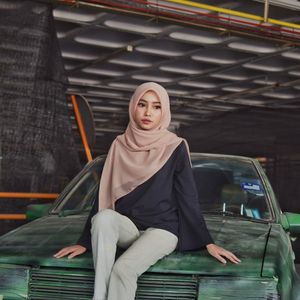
{"x":234,"y":215}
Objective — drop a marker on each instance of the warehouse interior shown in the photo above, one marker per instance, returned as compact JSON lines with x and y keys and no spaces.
{"x":233,"y":79}
{"x":233,"y":82}
{"x":234,"y":85}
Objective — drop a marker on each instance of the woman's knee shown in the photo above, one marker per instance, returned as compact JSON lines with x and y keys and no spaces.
{"x":104,"y":219}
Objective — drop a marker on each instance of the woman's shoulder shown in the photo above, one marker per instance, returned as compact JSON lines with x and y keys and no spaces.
{"x":179,"y":148}
{"x":183,"y":156}
{"x":181,"y":152}
{"x":183,"y":147}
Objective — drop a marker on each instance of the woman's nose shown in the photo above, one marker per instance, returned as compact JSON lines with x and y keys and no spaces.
{"x":148,"y":111}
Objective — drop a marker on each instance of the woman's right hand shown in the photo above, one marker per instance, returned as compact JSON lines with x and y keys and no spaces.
{"x":71,"y":251}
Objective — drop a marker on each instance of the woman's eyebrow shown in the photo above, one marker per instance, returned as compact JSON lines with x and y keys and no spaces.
{"x":156,"y":102}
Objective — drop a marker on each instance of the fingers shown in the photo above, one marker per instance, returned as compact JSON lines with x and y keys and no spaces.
{"x":220,"y":258}
{"x":220,"y":254}
{"x":72,"y":250}
{"x":63,"y":252}
{"x":76,"y":252}
{"x":230,"y":256}
{"x":233,"y":258}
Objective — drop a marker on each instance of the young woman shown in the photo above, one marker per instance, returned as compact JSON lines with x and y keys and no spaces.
{"x":148,"y":201}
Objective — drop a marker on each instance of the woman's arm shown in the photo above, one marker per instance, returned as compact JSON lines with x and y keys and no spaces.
{"x":192,"y":223}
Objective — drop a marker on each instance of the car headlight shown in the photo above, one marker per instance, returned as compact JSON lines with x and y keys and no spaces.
{"x":14,"y":282}
{"x":237,"y":288}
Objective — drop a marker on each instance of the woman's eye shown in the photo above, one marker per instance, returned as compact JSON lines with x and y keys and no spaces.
{"x":141,"y":104}
{"x":157,"y":107}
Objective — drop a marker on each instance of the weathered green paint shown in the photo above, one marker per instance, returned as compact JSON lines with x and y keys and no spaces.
{"x":14,"y":281}
{"x":35,"y":211}
{"x":237,"y":288}
{"x":279,"y":262}
{"x":246,"y":239}
{"x":274,"y":204}
{"x":26,"y":257}
{"x":35,"y":244}
{"x":294,"y":222}
{"x":284,"y":222}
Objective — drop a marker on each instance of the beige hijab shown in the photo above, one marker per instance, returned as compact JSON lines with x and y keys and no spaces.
{"x":138,"y":154}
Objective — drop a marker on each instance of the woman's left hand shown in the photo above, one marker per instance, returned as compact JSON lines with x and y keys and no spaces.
{"x":219,"y":253}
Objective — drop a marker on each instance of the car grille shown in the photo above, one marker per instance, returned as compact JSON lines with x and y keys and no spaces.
{"x":166,"y":287}
{"x":64,"y":284}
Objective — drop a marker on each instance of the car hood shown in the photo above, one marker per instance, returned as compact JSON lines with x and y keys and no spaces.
{"x":35,"y":243}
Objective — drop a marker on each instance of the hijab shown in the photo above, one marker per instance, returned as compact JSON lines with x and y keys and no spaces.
{"x":138,"y":154}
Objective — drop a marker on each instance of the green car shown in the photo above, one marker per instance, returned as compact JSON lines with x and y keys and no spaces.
{"x":242,"y":215}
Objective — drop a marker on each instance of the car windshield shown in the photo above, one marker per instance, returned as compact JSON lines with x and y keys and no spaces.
{"x":230,"y":186}
{"x":225,"y":186}
{"x":81,"y":196}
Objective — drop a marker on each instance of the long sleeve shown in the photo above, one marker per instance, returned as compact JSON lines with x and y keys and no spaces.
{"x":85,"y":238}
{"x":193,"y":232}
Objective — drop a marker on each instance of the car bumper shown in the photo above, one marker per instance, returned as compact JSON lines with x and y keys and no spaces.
{"x":14,"y":282}
{"x":69,"y":283}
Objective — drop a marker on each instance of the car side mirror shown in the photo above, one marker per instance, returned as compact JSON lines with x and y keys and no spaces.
{"x":35,"y":211}
{"x":292,"y":222}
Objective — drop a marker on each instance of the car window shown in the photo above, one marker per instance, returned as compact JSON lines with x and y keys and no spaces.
{"x":230,"y":186}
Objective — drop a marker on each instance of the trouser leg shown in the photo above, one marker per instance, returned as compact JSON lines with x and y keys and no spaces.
{"x":151,"y":246}
{"x":109,"y":229}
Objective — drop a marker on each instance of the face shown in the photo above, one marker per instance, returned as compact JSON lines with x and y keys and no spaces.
{"x":148,"y":111}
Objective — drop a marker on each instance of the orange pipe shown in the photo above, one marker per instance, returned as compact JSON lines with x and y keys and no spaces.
{"x":12,"y":217}
{"x":81,"y":129}
{"x":28,"y":195}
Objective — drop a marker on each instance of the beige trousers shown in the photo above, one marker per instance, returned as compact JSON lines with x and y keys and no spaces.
{"x":118,"y":280}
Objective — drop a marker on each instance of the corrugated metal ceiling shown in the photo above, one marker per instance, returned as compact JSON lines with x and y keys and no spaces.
{"x":208,"y":70}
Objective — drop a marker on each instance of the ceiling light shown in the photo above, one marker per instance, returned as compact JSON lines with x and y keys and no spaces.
{"x":252,"y":46}
{"x":196,"y":37}
{"x":151,"y":78}
{"x":75,"y":80}
{"x":196,"y":84}
{"x":129,"y":48}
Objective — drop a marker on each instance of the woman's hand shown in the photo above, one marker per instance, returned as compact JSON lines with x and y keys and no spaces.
{"x":73,"y":251}
{"x":219,"y":253}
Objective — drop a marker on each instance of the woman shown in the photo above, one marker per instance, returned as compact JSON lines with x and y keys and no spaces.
{"x":148,"y":201}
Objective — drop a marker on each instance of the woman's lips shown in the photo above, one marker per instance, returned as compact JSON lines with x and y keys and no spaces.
{"x":146,"y":121}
